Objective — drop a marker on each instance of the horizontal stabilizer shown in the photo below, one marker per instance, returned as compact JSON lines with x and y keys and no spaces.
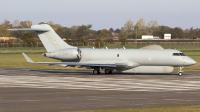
{"x":49,"y":38}
{"x":29,"y":29}
{"x":27,"y":58}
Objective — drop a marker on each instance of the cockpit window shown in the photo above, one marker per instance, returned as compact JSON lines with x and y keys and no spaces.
{"x":178,"y":54}
{"x":182,"y":54}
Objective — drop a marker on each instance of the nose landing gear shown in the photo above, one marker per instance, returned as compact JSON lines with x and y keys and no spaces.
{"x":180,"y":71}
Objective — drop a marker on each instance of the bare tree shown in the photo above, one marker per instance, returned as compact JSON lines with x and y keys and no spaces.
{"x":153,"y":23}
{"x":128,"y":29}
{"x":151,"y":27}
{"x":16,"y":23}
{"x":141,"y":24}
{"x":128,"y":26}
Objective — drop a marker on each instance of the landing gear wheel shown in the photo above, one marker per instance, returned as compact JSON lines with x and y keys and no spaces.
{"x":110,"y":72}
{"x":107,"y":71}
{"x":180,"y":71}
{"x":99,"y":72}
{"x":96,"y":72}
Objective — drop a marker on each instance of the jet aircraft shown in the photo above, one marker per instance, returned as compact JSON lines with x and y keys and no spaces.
{"x":149,"y":59}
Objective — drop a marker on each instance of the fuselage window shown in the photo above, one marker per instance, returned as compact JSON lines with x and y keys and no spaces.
{"x":117,"y":55}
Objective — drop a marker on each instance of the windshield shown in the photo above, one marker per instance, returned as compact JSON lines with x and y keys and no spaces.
{"x":178,"y":54}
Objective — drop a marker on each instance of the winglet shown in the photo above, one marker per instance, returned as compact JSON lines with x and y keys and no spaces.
{"x":29,"y":60}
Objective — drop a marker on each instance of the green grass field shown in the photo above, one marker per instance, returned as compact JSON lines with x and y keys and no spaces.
{"x":18,"y":61}
{"x":185,"y":108}
{"x":23,"y":49}
{"x":12,"y":57}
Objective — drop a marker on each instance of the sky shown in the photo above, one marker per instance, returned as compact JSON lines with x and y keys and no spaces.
{"x":103,"y":13}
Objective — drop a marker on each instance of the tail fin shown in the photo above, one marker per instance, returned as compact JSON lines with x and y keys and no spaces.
{"x":48,"y":36}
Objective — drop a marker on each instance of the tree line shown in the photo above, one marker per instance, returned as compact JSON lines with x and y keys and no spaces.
{"x":82,"y":33}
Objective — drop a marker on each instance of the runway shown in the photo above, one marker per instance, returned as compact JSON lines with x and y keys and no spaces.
{"x":59,"y":90}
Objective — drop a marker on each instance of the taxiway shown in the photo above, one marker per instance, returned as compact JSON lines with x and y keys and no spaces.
{"x":65,"y":90}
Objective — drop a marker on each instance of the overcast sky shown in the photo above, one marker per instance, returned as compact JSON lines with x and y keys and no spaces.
{"x":103,"y":13}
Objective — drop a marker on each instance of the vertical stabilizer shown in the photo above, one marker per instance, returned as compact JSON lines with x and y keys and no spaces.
{"x":50,"y":38}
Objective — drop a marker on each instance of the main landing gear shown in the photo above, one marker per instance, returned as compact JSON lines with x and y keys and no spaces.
{"x":180,"y":71}
{"x":96,"y":71}
{"x":107,"y":71}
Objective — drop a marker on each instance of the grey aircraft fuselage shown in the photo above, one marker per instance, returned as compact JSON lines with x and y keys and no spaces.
{"x":133,"y":57}
{"x":137,"y":57}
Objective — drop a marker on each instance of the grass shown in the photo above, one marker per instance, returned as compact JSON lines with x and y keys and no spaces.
{"x":18,"y":61}
{"x":23,"y":49}
{"x":12,"y":57}
{"x":185,"y":108}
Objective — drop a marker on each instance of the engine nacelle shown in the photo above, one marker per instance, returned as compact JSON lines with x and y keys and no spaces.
{"x":64,"y":54}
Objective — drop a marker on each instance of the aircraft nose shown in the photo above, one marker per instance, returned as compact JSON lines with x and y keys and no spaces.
{"x":193,"y":62}
{"x":190,"y":62}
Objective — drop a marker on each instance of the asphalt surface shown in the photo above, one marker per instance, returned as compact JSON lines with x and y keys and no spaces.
{"x":65,"y":90}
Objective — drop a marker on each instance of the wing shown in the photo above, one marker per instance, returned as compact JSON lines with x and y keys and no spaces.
{"x":84,"y":64}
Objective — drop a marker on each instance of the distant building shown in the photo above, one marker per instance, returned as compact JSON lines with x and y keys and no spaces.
{"x":115,"y":34}
{"x":147,"y":37}
{"x":167,"y":36}
{"x":14,"y":39}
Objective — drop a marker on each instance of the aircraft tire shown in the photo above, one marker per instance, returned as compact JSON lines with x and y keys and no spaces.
{"x":98,"y":72}
{"x":107,"y":71}
{"x":95,"y":72}
{"x":110,"y":71}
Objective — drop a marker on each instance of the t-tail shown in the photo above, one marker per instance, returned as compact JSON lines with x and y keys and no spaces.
{"x":49,"y":38}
